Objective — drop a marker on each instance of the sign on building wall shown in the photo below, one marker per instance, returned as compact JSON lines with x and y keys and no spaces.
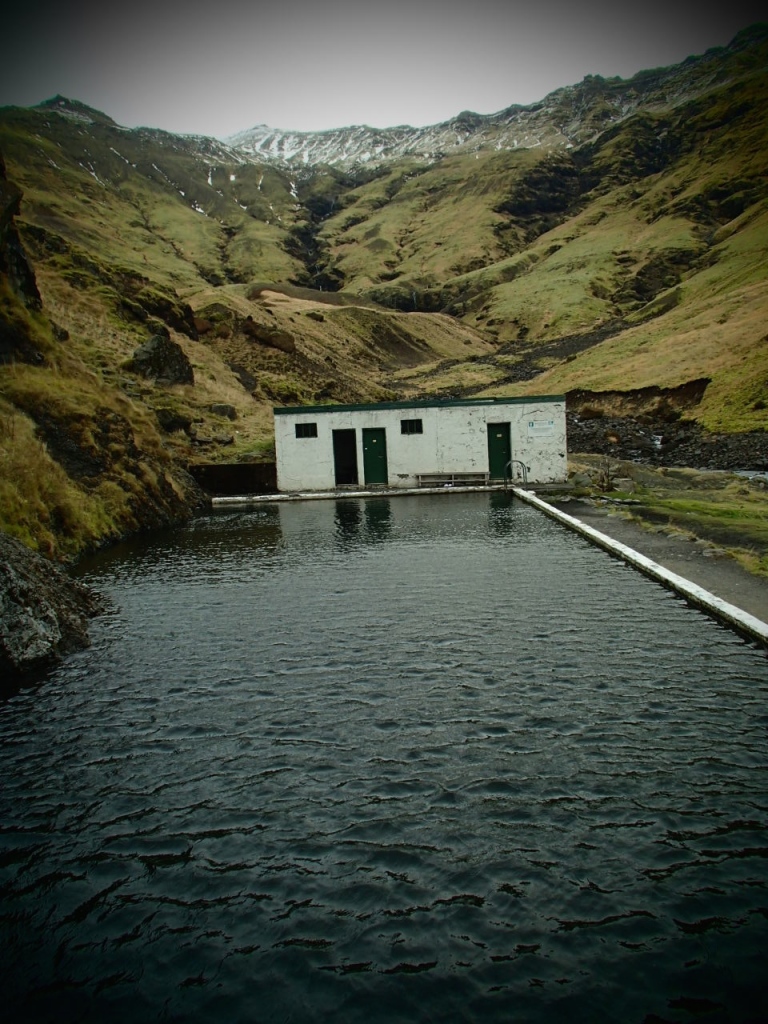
{"x":540,"y":428}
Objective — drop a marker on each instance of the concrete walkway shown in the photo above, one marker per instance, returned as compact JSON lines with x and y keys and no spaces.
{"x":722,"y":578}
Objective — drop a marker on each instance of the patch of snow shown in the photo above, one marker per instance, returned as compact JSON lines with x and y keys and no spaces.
{"x":113,"y":150}
{"x":75,"y":115}
{"x":93,"y":174}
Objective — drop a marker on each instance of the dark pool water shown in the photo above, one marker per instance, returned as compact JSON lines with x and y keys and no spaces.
{"x":432,"y":758}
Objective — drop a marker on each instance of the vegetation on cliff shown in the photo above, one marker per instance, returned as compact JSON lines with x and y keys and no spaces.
{"x":631,"y":262}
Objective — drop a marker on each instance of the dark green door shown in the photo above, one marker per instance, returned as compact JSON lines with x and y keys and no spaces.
{"x":375,"y":455}
{"x":499,"y":449}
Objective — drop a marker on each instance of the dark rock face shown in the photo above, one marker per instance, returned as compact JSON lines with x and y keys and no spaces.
{"x":648,"y":425}
{"x":16,"y":343}
{"x":13,"y":261}
{"x":664,"y":443}
{"x":163,"y":360}
{"x":171,"y":421}
{"x":43,"y":612}
{"x":66,"y":443}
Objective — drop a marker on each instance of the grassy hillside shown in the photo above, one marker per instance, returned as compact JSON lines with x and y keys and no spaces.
{"x":421,"y":226}
{"x":659,"y":238}
{"x":635,"y":261}
{"x":90,"y":449}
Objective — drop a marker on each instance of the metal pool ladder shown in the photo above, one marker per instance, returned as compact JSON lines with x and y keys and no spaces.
{"x":508,"y":472}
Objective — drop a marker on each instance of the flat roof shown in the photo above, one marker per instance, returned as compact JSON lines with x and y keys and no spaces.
{"x":415,"y":404}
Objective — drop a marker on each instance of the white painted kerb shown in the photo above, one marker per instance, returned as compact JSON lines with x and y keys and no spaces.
{"x":697,"y":595}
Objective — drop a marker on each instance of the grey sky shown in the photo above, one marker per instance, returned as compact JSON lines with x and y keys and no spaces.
{"x":219,"y":67}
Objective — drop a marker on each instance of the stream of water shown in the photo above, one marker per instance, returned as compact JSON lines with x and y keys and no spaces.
{"x":428,"y":758}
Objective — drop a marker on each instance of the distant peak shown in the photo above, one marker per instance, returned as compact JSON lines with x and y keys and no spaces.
{"x":74,"y":108}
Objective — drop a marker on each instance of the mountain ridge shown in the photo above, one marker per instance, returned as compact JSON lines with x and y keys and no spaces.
{"x":516,"y":126}
{"x":556,"y":120}
{"x":627,"y":271}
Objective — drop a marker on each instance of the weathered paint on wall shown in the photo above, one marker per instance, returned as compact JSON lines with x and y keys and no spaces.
{"x":453,"y":439}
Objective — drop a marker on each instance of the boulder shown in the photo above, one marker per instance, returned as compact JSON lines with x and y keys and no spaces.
{"x":163,"y":360}
{"x":172,"y":421}
{"x":624,"y":483}
{"x":225,"y":410}
{"x":44,"y":613}
{"x":282,"y":340}
{"x":202,"y":326}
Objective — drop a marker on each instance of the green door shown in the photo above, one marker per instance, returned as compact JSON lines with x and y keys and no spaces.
{"x":375,"y":455}
{"x":499,"y":449}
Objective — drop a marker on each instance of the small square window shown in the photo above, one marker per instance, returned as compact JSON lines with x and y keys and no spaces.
{"x":306,"y":430}
{"x":411,"y":427}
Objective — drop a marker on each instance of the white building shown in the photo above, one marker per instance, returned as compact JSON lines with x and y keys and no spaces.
{"x":419,"y":444}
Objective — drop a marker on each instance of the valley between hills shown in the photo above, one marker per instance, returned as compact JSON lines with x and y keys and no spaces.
{"x":160,"y":294}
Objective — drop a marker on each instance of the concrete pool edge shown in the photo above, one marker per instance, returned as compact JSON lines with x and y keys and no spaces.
{"x":730,"y":614}
{"x":362,"y":492}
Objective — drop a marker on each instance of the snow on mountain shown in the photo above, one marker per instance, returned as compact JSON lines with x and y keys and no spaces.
{"x":567,"y":117}
{"x":346,"y":147}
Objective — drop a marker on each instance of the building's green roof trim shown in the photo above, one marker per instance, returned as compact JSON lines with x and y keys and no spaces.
{"x":302,"y":410}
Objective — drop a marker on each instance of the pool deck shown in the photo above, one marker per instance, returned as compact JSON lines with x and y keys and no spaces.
{"x":726,"y":611}
{"x":719,"y":586}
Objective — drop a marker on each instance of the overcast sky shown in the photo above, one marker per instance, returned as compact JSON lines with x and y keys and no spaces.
{"x":222,"y":66}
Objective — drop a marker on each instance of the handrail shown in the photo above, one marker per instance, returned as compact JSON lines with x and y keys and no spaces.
{"x":509,"y":465}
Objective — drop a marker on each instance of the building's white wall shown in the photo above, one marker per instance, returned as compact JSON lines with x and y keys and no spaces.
{"x":454,"y":440}
{"x":540,"y":441}
{"x":306,"y":464}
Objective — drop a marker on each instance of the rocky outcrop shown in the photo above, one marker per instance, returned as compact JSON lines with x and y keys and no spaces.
{"x":662,"y":441}
{"x":17,"y":343}
{"x":162,"y":360}
{"x":43,"y":612}
{"x":13,"y":262}
{"x":648,"y":425}
{"x":145,"y":303}
{"x":281,"y":340}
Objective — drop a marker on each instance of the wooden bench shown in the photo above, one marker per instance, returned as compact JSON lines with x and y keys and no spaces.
{"x":452,"y":479}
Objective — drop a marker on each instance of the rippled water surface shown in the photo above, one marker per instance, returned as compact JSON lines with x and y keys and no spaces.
{"x":427,"y":759}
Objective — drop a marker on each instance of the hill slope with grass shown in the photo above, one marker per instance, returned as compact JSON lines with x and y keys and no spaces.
{"x":159,"y":294}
